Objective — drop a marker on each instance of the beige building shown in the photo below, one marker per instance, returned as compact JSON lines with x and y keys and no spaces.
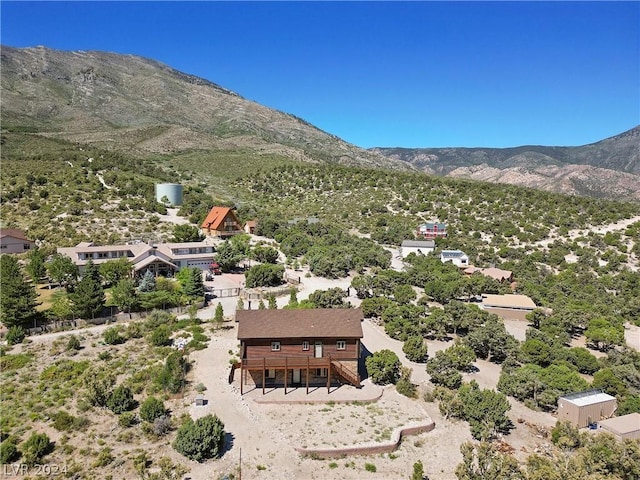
{"x":624,"y":427}
{"x":508,"y":307}
{"x":13,"y":240}
{"x":161,"y":258}
{"x":419,"y":247}
{"x":584,"y":408}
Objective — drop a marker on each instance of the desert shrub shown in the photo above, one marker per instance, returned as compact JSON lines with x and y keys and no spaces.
{"x":162,"y":425}
{"x":8,"y":451}
{"x":127,"y":419}
{"x":157,"y":318}
{"x":151,"y":409}
{"x":201,"y":439}
{"x":121,"y":400}
{"x":370,"y":467}
{"x":36,"y":447}
{"x":15,"y":335}
{"x":73,"y":343}
{"x":171,"y":376}
{"x":98,"y":387}
{"x":112,"y":336}
{"x":404,"y":386}
{"x":161,"y":336}
{"x":64,"y":422}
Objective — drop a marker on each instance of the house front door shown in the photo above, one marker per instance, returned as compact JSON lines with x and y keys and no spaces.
{"x":318,"y":350}
{"x":296,"y":375}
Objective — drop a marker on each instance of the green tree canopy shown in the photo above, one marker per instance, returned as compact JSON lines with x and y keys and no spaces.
{"x":17,"y":296}
{"x":383,"y":367}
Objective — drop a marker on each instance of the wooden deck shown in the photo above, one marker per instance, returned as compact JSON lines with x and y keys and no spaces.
{"x":305,"y":363}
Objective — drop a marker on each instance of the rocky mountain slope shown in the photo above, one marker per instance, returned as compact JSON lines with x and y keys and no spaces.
{"x":131,"y":103}
{"x":609,"y":168}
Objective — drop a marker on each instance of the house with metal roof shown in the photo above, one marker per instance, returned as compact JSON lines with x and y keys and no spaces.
{"x":419,"y":247}
{"x":457,"y":257}
{"x":586,"y":408}
{"x":299,"y":347}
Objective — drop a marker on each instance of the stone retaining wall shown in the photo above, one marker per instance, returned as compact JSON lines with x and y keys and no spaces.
{"x":369,"y":448}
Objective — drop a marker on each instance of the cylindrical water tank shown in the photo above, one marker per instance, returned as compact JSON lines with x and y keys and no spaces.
{"x":169,"y":193}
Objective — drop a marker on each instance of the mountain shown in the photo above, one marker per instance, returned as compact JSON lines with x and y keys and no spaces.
{"x":609,"y":168}
{"x":134,"y":104}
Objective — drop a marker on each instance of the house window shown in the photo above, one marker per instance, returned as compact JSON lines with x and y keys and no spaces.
{"x":321,"y":372}
{"x":341,"y":345}
{"x":27,"y":246}
{"x":275,"y":346}
{"x":305,"y":345}
{"x":271,"y":373}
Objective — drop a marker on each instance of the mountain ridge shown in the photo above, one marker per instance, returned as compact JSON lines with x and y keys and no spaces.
{"x":130,"y":103}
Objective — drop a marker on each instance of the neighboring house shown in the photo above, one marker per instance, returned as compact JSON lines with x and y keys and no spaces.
{"x":299,"y":347}
{"x":432,"y":230}
{"x":502,"y":276}
{"x":162,"y":258}
{"x":13,"y":240}
{"x":221,"y":222}
{"x":419,"y":247}
{"x":624,"y":427}
{"x":250,"y":226}
{"x":457,"y":257}
{"x":585,"y":408}
{"x":509,"y":307}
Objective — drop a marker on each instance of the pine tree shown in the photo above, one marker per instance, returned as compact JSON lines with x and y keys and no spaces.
{"x":88,"y":297}
{"x":272,"y":302}
{"x":219,"y":315}
{"x":148,"y":282}
{"x":261,"y":305}
{"x":17,"y":296}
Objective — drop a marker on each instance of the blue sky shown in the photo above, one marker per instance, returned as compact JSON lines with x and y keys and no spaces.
{"x":407,"y":74}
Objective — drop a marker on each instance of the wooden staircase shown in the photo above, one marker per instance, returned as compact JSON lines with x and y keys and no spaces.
{"x":349,"y":375}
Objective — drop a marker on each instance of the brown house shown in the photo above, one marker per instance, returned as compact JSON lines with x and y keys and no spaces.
{"x":296,"y":347}
{"x":221,"y":222}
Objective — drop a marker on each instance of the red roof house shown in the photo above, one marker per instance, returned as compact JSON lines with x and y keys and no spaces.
{"x":221,"y":222}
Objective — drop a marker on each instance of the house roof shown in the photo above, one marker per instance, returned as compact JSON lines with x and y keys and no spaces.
{"x":589,"y":397}
{"x":13,"y":232}
{"x":452,"y":254}
{"x":216,"y":216}
{"x":508,"y":301}
{"x":622,"y":425}
{"x":492,"y":272}
{"x":300,"y":323}
{"x":431,"y":225}
{"x":419,"y":243}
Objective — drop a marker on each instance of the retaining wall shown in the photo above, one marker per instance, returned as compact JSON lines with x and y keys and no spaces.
{"x":370,"y":448}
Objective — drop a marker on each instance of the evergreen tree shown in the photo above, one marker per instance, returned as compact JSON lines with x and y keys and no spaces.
{"x":261,"y":305}
{"x":272,"y":302}
{"x":148,"y":282}
{"x":17,"y":296}
{"x":219,"y":315}
{"x":192,"y":284}
{"x":240,"y":304}
{"x":88,"y":296}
